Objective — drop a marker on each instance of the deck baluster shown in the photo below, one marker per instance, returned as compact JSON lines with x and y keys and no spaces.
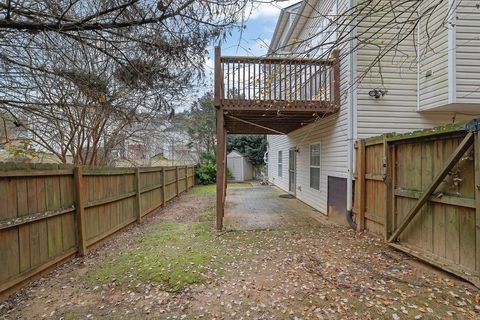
{"x":279,"y":82}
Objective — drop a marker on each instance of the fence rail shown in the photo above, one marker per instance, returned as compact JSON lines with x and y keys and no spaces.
{"x":49,"y":213}
{"x":421,"y":192}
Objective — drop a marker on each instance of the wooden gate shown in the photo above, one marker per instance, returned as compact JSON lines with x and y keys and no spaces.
{"x":370,"y":188}
{"x":433,"y":199}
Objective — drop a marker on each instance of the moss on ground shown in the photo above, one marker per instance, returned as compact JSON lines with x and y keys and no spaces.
{"x":212,"y":188}
{"x":173,"y":254}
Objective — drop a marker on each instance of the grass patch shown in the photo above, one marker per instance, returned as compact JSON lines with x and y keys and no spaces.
{"x":370,"y":247}
{"x":204,"y":190}
{"x":72,"y":315}
{"x":208,"y":215}
{"x":212,"y":188}
{"x":173,"y":254}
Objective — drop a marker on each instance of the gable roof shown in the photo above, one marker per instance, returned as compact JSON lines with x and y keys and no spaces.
{"x":300,"y":12}
{"x":235,"y":153}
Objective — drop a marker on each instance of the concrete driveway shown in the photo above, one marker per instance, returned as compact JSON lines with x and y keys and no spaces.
{"x":265,"y":207}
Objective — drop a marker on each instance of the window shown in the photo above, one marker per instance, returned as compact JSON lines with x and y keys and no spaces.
{"x":280,"y":163}
{"x":315,"y":166}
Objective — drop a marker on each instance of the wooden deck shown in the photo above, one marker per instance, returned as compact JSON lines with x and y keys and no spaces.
{"x":270,"y":95}
{"x":275,"y":95}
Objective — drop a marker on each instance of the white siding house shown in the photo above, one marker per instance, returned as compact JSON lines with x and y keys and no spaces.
{"x":441,"y":86}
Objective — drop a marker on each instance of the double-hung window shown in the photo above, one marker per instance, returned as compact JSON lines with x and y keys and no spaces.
{"x":280,"y":163}
{"x":315,"y":166}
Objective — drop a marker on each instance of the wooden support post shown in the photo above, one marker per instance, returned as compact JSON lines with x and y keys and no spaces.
{"x":361,"y":184}
{"x":225,"y":175}
{"x":138,"y":205}
{"x":457,"y":154}
{"x":176,"y":181}
{"x":220,"y":168}
{"x":336,"y":77}
{"x":164,"y":189}
{"x":218,"y":77}
{"x":79,"y":206}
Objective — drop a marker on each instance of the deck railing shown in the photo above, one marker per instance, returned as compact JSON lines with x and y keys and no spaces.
{"x":282,"y":81}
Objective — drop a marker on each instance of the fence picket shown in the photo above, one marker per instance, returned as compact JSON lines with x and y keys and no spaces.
{"x":48,"y":217}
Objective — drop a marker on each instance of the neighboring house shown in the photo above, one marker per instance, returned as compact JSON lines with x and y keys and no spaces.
{"x":239,"y":166}
{"x":144,"y":145}
{"x":176,"y":147}
{"x":315,"y":162}
{"x":137,"y":151}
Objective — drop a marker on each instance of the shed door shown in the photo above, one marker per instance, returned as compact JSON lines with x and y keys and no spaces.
{"x":292,"y":164}
{"x":235,"y":166}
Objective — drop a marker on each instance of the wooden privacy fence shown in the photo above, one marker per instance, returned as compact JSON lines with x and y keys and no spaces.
{"x":421,"y":191}
{"x":48,"y":213}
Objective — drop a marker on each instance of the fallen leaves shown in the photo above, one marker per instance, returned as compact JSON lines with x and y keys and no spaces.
{"x":325,"y":272}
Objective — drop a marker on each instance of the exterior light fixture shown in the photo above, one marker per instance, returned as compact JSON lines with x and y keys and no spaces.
{"x":377,"y":93}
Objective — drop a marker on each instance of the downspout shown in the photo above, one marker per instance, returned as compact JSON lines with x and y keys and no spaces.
{"x":351,"y":120}
{"x":452,"y":53}
{"x":418,"y":59}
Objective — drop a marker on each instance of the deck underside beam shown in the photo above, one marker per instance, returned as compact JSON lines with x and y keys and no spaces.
{"x":268,"y":122}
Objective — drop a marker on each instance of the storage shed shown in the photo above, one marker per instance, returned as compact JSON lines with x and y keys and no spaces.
{"x":239,"y":166}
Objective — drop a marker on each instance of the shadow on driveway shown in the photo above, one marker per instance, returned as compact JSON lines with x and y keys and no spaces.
{"x":265,"y":207}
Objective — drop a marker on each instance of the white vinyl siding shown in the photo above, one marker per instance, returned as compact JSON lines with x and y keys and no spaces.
{"x":433,"y":54}
{"x":330,"y":132}
{"x":315,"y":166}
{"x":397,"y":110}
{"x":280,"y":164}
{"x":277,"y":143}
{"x":468,"y":52}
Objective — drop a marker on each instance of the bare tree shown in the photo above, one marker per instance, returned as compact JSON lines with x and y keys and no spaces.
{"x":398,"y":33}
{"x":78,"y":74}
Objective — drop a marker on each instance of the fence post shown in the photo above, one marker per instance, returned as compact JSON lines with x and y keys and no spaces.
{"x":186,"y":178}
{"x":193,"y":177}
{"x":138,"y":204}
{"x":176,"y":180}
{"x":79,"y":206}
{"x":390,"y":206}
{"x":361,"y":184}
{"x":164,"y":187}
{"x":389,"y":183}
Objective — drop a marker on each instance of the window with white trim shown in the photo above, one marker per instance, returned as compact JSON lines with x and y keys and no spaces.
{"x":280,"y":163}
{"x":315,"y":166}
